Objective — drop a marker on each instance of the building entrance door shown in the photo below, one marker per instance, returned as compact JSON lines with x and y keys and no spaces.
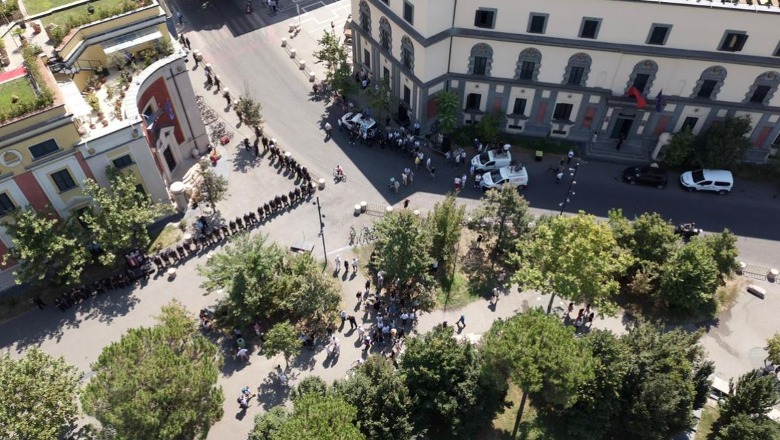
{"x":622,"y":126}
{"x":169,"y":159}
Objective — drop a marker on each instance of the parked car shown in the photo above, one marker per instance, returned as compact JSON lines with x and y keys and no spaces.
{"x":645,"y":175}
{"x":720,"y":181}
{"x":351,"y":120}
{"x":514,"y":175}
{"x":491,"y":160}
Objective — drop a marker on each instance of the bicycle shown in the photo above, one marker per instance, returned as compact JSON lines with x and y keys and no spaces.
{"x":218,"y":126}
{"x":367,"y":235}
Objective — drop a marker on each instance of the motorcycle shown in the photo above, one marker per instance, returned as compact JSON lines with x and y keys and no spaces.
{"x":339,"y":177}
{"x":687,"y":230}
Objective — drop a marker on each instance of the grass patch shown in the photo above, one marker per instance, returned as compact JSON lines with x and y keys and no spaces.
{"x":727,"y":294}
{"x":454,"y":293}
{"x":531,"y":428}
{"x":79,"y":15}
{"x":37,"y":6}
{"x":19,"y":88}
{"x":708,"y":417}
{"x":168,"y":236}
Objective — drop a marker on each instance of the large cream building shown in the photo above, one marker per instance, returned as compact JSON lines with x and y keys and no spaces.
{"x":564,"y":68}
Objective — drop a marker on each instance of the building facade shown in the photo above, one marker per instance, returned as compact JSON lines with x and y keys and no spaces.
{"x":588,"y":71}
{"x":153,"y":132}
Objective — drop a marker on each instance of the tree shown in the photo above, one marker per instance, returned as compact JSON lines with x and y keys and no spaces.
{"x":503,"y":214}
{"x":725,"y":143}
{"x":724,"y":251}
{"x":489,"y":127}
{"x":268,"y":424}
{"x":317,"y":417}
{"x":380,"y":99}
{"x":336,"y":58}
{"x":250,"y":109}
{"x":264,"y":282}
{"x":453,"y":390}
{"x":158,"y":382}
{"x":46,"y":248}
{"x":754,"y":394}
{"x":445,"y":222}
{"x":541,"y":356}
{"x":119,"y":215}
{"x":282,"y":338}
{"x":689,"y":279}
{"x":309,"y":385}
{"x":402,"y":251}
{"x":576,"y":257}
{"x":382,"y":397}
{"x":653,"y":238}
{"x":680,"y":149}
{"x":773,"y":349}
{"x":38,"y":395}
{"x":447,"y":104}
{"x":660,"y":388}
{"x":212,"y":187}
{"x":745,"y":427}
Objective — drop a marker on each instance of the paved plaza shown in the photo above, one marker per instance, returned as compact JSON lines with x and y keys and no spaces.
{"x":250,"y":56}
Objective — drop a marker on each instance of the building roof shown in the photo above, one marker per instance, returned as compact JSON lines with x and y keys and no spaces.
{"x":749,"y":5}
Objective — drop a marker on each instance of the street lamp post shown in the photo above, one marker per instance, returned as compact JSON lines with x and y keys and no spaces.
{"x":322,"y":231}
{"x":569,"y":193}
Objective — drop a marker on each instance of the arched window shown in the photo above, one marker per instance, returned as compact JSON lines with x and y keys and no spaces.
{"x":578,"y":69}
{"x":385,"y":35}
{"x":407,"y":52}
{"x":365,"y":17}
{"x":763,"y":88}
{"x":709,"y":83}
{"x":643,"y":76}
{"x":528,"y":64}
{"x":481,"y":60}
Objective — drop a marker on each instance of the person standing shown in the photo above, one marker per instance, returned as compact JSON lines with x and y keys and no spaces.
{"x":569,"y":156}
{"x":217,"y":83}
{"x":180,"y":18}
{"x":352,"y":322}
{"x":338,"y":263}
{"x":461,"y":322}
{"x":328,"y":129}
{"x":464,"y":179}
{"x":343,"y":316}
{"x":354,"y":265}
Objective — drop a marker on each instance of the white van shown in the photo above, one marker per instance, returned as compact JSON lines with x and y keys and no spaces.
{"x":720,"y":181}
{"x":491,"y":160}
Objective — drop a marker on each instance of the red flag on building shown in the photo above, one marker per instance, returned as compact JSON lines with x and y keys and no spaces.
{"x":636,"y":94}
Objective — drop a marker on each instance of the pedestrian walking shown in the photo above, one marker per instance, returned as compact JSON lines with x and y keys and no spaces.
{"x":328,"y":129}
{"x":416,"y":128}
{"x":217,"y":83}
{"x":187,"y":43}
{"x":559,"y":176}
{"x":494,"y":296}
{"x":406,"y":203}
{"x":368,"y":283}
{"x":464,"y":179}
{"x":226,"y":95}
{"x":338,"y":260}
{"x":461,"y":322}
{"x":180,"y":18}
{"x":447,"y":156}
{"x":477,"y":180}
{"x":472,"y":170}
{"x":361,"y":333}
{"x":411,"y":177}
{"x":457,"y":160}
{"x":359,"y":297}
{"x":433,"y":173}
{"x":352,"y":322}
{"x":569,"y":156}
{"x":405,"y":178}
{"x":354,"y":265}
{"x":428,"y":164}
{"x":209,"y":81}
{"x":196,"y":58}
{"x":343,"y":315}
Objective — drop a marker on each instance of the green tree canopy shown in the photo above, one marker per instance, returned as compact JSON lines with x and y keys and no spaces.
{"x":541,"y":356}
{"x":773,"y":349}
{"x":382,"y":397}
{"x":447,"y":105}
{"x":502,"y":214}
{"x":119,"y":215}
{"x":680,"y":149}
{"x":724,"y":251}
{"x":212,"y":187}
{"x":282,"y":338}
{"x":753,"y":395}
{"x":745,"y":427}
{"x":335,"y":56}
{"x":446,"y":224}
{"x":402,"y":251}
{"x":268,"y":424}
{"x":47,"y":249}
{"x":490,"y":126}
{"x":251,"y":110}
{"x":380,"y":99}
{"x":576,"y":257}
{"x":689,"y":279}
{"x":264,"y":282}
{"x":725,"y":143}
{"x":452,"y":389}
{"x":38,"y":396}
{"x":314,"y":416}
{"x":158,"y":382}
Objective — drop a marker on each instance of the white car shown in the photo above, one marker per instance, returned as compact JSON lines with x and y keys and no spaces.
{"x":514,"y":175}
{"x":491,"y":160}
{"x":719,"y":181}
{"x":354,"y":119}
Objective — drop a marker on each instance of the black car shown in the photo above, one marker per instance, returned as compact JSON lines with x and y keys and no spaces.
{"x":645,"y":175}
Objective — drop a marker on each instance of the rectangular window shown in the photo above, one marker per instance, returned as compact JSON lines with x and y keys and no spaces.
{"x":385,"y":40}
{"x":562,"y":112}
{"x":44,"y":148}
{"x":367,"y":58}
{"x":640,"y":81}
{"x":63,"y":180}
{"x":689,"y":123}
{"x":590,"y":28}
{"x":6,"y":204}
{"x":537,"y":23}
{"x":759,"y":95}
{"x":406,"y":58}
{"x":409,"y":12}
{"x":733,"y":41}
{"x":407,"y":95}
{"x":658,"y":34}
{"x":706,"y":89}
{"x":575,"y":75}
{"x":485,"y":18}
{"x":124,"y":161}
{"x":519,"y":107}
{"x":527,"y":70}
{"x":473,"y":101}
{"x":387,"y":2}
{"x":386,"y":74}
{"x":480,"y":65}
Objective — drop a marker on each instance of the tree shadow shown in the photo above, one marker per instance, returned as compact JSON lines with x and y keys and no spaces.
{"x":245,"y":160}
{"x":271,"y":393}
{"x":306,"y":359}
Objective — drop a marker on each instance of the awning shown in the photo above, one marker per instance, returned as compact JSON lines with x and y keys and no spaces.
{"x":136,"y":40}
